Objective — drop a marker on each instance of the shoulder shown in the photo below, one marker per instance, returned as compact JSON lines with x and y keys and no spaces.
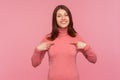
{"x":47,"y":36}
{"x":79,"y":37}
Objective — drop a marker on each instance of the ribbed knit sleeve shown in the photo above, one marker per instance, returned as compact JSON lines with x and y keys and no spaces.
{"x":38,"y":55}
{"x":88,"y":52}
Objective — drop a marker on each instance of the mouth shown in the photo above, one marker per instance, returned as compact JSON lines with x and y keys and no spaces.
{"x":63,"y":22}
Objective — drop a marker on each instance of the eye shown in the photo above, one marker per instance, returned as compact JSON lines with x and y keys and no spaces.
{"x":58,"y":15}
{"x":66,"y":14}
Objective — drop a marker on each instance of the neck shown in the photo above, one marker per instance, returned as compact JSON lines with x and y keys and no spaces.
{"x":62,"y":31}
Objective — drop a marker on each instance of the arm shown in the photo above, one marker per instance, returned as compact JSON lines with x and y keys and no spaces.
{"x":89,"y":54}
{"x":37,"y":57}
{"x":39,"y":52}
{"x":86,"y":50}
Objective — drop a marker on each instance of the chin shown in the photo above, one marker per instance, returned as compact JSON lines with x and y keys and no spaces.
{"x":63,"y":26}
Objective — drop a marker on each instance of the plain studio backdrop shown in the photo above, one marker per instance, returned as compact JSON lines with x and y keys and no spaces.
{"x":24,"y":23}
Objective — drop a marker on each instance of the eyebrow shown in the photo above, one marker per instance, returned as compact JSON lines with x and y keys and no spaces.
{"x":60,"y":13}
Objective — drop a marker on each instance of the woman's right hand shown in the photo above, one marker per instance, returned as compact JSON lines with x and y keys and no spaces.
{"x":44,"y":46}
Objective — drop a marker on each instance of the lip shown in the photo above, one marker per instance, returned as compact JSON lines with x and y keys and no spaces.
{"x":63,"y":22}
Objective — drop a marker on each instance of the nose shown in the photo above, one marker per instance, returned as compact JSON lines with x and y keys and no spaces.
{"x":63,"y":17}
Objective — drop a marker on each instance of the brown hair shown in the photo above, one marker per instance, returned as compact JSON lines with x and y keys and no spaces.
{"x":55,"y":32}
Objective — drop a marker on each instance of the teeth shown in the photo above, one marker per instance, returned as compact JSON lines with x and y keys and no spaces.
{"x":63,"y":22}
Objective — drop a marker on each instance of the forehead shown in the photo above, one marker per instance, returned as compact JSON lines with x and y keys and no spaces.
{"x":60,"y":11}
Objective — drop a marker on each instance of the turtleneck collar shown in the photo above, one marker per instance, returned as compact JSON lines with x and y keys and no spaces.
{"x":62,"y":31}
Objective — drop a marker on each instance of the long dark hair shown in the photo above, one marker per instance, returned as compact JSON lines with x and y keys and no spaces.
{"x":55,"y":31}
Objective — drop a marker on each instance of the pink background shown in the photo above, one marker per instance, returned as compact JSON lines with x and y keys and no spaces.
{"x":23,"y":23}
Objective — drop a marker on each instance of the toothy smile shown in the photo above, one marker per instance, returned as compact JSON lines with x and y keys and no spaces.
{"x":63,"y":22}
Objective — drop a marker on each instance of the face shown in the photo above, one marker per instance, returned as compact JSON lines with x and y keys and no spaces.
{"x":62,"y":18}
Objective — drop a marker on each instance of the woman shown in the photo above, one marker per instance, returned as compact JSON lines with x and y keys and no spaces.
{"x":62,"y":45}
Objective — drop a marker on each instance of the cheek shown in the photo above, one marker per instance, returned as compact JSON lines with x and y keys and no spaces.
{"x":58,"y":20}
{"x":68,"y":18}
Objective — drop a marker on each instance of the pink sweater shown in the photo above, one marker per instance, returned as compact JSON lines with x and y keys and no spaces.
{"x":62,"y":57}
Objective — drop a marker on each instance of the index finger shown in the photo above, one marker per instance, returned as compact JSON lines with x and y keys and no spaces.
{"x":51,"y":43}
{"x":74,"y":43}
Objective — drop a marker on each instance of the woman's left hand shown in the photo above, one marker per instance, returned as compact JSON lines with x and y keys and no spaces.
{"x":79,"y":44}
